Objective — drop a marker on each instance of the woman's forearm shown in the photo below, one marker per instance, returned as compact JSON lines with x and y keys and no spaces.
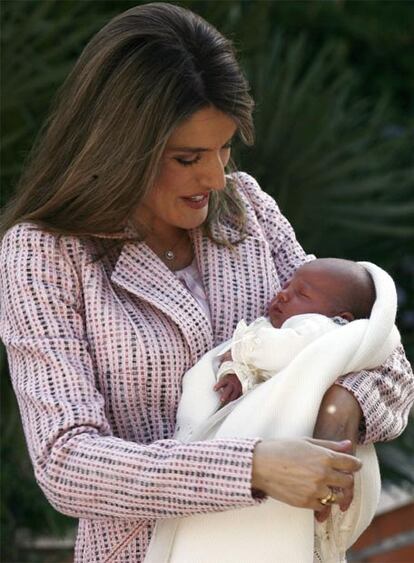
{"x":339,"y":416}
{"x":385,"y":396}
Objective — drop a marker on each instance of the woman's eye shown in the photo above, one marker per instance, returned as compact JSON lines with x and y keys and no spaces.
{"x":186,"y":161}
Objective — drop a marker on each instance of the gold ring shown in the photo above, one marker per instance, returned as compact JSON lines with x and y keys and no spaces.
{"x":329,"y":499}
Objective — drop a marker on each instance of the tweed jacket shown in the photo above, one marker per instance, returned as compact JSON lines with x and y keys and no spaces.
{"x":97,"y":348}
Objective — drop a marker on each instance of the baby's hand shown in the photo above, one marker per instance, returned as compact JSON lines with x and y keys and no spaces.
{"x":229,"y":388}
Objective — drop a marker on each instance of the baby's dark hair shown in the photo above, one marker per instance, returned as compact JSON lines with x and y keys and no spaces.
{"x":356,"y":289}
{"x":362,"y":293}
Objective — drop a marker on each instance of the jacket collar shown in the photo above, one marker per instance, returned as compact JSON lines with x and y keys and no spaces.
{"x":139,"y":271}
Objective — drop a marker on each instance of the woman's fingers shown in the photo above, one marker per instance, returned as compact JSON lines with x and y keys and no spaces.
{"x":301,"y":472}
{"x":340,"y":480}
{"x":345,"y":446}
{"x":340,"y":461}
{"x":344,"y":502}
{"x":338,"y":498}
{"x":346,"y":463}
{"x":348,"y":497}
{"x":322,"y":513}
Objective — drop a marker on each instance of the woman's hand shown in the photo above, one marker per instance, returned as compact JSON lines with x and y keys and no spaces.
{"x":302,"y":471}
{"x":339,"y":418}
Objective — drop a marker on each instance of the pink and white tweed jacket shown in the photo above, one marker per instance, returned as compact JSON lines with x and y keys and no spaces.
{"x":97,"y":350}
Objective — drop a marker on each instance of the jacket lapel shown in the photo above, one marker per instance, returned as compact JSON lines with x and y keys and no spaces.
{"x":239,"y":282}
{"x":139,"y":271}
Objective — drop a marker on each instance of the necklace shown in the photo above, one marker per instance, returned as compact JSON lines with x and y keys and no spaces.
{"x":170,"y":254}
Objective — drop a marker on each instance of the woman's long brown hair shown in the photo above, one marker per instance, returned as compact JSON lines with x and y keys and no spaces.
{"x":99,"y":153}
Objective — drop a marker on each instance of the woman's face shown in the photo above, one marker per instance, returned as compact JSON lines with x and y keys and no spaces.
{"x":192,"y":167}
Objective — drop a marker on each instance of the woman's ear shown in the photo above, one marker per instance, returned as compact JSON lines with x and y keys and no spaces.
{"x":347,"y":315}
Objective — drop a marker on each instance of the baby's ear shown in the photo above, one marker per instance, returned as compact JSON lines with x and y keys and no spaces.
{"x":347,"y":315}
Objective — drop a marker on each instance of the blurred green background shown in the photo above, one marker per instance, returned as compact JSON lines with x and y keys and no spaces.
{"x":333,"y":83}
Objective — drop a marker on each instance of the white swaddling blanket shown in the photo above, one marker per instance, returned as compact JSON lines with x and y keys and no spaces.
{"x":285,"y":406}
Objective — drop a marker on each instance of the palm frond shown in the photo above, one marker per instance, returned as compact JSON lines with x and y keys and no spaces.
{"x":321,"y":149}
{"x":40,"y":40}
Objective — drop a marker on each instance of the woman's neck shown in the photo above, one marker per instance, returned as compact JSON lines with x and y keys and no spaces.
{"x":175,"y":248}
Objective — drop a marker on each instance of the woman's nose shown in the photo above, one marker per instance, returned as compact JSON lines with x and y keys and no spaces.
{"x":213,"y":175}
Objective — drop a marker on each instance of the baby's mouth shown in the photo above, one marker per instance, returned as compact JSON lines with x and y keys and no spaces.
{"x":275,"y":309}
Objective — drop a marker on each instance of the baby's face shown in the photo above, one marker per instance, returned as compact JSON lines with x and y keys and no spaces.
{"x":311,"y":290}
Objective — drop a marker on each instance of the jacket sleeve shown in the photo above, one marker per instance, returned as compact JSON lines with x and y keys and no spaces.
{"x":385,"y":394}
{"x":287,"y":253}
{"x":83,"y":469}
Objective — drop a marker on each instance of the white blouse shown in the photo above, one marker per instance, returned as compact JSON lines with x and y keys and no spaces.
{"x":191,"y":278}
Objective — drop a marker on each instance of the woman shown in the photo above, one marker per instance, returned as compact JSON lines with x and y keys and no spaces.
{"x":128,"y":254}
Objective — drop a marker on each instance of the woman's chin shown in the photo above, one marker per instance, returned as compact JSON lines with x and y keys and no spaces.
{"x":195,"y":220}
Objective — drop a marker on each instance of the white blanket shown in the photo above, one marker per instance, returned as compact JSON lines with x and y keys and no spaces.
{"x":285,"y":406}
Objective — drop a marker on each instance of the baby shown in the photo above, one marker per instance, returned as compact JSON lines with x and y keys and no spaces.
{"x":322,"y":295}
{"x":303,"y":342}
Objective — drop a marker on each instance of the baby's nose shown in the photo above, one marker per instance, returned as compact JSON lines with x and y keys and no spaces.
{"x":282,"y":296}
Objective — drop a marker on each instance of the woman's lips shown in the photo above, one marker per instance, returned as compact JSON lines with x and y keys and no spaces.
{"x":196,"y":202}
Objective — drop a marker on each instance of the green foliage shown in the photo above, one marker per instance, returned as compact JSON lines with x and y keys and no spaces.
{"x":324,"y":152}
{"x":40,"y":42}
{"x":379,"y":37}
{"x":334,"y":87}
{"x":397,"y":458}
